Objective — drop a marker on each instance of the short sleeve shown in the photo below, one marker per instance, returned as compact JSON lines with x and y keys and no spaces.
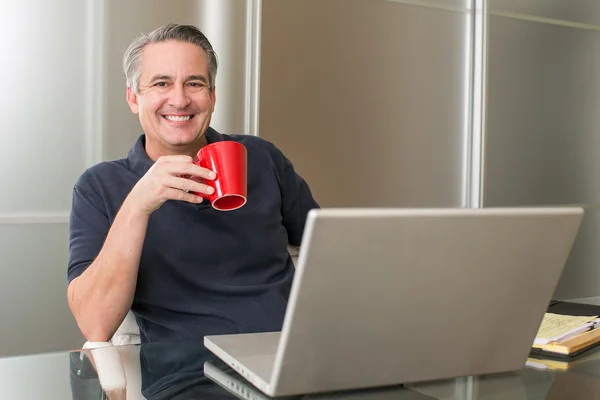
{"x":88,"y":226}
{"x":297,"y":199}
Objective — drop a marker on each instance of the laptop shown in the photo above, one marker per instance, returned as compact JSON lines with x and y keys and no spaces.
{"x":232,"y":382}
{"x":389,"y":296}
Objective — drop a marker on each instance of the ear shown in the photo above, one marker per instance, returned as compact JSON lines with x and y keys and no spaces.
{"x":213,"y":98}
{"x":132,"y":100}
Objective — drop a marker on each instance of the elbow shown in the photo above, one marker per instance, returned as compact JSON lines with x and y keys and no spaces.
{"x":92,"y":329}
{"x":95,"y":333}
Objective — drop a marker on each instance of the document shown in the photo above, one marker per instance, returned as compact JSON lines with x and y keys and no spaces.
{"x":556,"y":327}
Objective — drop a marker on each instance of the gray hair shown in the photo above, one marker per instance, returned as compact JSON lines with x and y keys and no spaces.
{"x":182,"y":33}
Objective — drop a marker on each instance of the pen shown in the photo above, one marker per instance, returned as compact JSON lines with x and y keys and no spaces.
{"x":579,"y":331}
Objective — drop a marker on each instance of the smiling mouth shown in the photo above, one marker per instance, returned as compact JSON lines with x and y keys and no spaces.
{"x":178,"y":118}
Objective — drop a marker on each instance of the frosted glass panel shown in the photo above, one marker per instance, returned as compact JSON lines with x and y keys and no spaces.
{"x":581,"y":275}
{"x":434,"y":3}
{"x":34,"y":315}
{"x":42,"y":108}
{"x":543,"y":119}
{"x":370,"y":88}
{"x":580,"y":11}
{"x":542,"y":130}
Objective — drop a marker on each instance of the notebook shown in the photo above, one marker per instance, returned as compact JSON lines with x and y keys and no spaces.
{"x":580,"y":331}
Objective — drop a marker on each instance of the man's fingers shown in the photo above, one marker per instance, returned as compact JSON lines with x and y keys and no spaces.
{"x":190,"y":169}
{"x":176,"y":194}
{"x":175,"y":159}
{"x":189,"y":185}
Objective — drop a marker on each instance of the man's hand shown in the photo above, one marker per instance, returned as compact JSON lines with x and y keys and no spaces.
{"x":165,"y":180}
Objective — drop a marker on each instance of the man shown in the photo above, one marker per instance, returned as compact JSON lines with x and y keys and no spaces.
{"x":141,"y":240}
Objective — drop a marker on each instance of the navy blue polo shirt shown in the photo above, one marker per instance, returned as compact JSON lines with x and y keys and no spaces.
{"x":201,"y":271}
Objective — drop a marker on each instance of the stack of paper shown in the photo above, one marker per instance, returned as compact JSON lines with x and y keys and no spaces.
{"x":556,"y":328}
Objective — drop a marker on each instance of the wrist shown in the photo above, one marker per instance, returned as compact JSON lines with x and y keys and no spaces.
{"x":132,"y":209}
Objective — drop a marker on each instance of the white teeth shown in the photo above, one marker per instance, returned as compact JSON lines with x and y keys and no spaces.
{"x":178,"y":118}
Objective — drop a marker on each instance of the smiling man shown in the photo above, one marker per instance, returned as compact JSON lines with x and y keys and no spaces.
{"x":140,"y":240}
{"x":174,"y":96}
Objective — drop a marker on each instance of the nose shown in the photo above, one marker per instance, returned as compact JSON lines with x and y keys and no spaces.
{"x":179,"y":98}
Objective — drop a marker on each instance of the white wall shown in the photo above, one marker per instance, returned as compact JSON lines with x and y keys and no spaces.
{"x":62,"y":110}
{"x":43,"y":147}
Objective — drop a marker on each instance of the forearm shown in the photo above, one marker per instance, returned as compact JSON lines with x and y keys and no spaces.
{"x":102,"y":295}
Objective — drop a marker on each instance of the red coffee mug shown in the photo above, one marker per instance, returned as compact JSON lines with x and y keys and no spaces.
{"x":228,"y":160}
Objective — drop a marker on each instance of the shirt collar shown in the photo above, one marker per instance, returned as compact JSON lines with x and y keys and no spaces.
{"x":138,"y":159}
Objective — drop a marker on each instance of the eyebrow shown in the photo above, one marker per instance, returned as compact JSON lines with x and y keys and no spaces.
{"x":187,"y":79}
{"x":197,"y":78}
{"x":160,"y":77}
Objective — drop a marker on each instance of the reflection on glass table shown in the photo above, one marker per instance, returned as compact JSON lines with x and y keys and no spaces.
{"x":186,"y":370}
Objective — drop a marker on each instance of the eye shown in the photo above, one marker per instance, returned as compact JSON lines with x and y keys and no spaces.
{"x":160,"y":84}
{"x":197,"y":85}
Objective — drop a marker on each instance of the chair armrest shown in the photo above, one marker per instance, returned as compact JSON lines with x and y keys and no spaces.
{"x":294,"y":252}
{"x":128,"y":332}
{"x":107,"y":361}
{"x":118,"y":368}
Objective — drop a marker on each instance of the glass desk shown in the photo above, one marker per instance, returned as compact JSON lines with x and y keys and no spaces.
{"x":185,"y":370}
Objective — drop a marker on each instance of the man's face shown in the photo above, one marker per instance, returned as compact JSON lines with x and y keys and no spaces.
{"x":174,"y":102}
